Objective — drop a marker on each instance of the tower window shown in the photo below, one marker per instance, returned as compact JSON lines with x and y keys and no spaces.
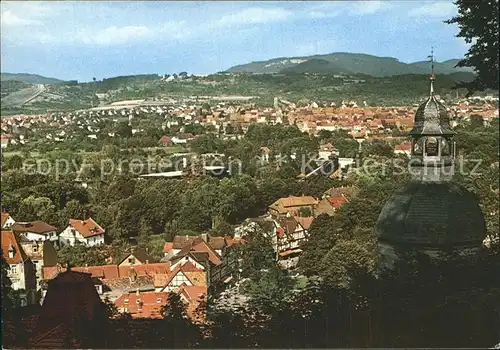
{"x":431,"y":147}
{"x":418,"y":148}
{"x":445,"y":147}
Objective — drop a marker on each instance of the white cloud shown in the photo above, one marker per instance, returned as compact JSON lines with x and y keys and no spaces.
{"x":10,"y":19}
{"x":254,"y":15}
{"x":368,"y":7}
{"x":354,"y":8}
{"x":435,"y":10}
{"x":322,"y":14}
{"x":113,"y":35}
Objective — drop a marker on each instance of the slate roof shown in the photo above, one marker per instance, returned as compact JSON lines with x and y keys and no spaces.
{"x":140,"y":254}
{"x":431,"y":118}
{"x":432,"y":215}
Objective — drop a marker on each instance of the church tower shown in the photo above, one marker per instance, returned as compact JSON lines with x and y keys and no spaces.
{"x":431,"y":214}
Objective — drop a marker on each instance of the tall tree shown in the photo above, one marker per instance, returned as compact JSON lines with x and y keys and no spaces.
{"x":478,"y":23}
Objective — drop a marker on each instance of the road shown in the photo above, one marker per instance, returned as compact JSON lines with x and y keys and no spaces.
{"x":23,"y":96}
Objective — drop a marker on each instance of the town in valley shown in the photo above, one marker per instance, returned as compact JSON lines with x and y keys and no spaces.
{"x":312,"y":201}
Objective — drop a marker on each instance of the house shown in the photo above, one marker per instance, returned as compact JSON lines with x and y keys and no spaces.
{"x":86,"y":232}
{"x":21,"y":270}
{"x":293,"y":206}
{"x":166,"y":141}
{"x":4,"y":140}
{"x":142,"y":305}
{"x":41,"y":253}
{"x":329,"y":205}
{"x":137,"y":256}
{"x":193,"y":296}
{"x":187,"y":273}
{"x":403,"y":148}
{"x":112,"y":280}
{"x":265,"y":153}
{"x":325,"y":151}
{"x":290,"y":234}
{"x":37,"y":230}
{"x":7,"y":221}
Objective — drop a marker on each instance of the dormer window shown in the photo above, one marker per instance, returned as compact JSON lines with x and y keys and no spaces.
{"x":158,"y":300}
{"x":11,"y":251}
{"x":125,"y":301}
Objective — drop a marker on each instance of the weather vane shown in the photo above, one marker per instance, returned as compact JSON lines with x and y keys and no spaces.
{"x":431,"y":58}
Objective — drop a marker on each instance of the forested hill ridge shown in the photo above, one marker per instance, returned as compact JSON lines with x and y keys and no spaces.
{"x":347,"y":63}
{"x":28,"y":78}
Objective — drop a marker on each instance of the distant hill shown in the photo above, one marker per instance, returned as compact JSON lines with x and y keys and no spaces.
{"x":342,"y":62}
{"x":316,"y":65}
{"x":28,"y":78}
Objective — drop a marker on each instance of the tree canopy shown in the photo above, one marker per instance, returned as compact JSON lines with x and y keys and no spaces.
{"x":478,"y":24}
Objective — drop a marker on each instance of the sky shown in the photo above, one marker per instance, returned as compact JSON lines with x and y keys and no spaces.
{"x":81,"y":40}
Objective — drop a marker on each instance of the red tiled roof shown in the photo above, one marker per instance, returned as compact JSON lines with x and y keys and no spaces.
{"x":87,"y":228}
{"x":192,"y":293}
{"x":107,"y":272}
{"x":143,"y":305}
{"x":337,"y":201}
{"x":180,"y":241}
{"x":280,"y":232}
{"x":37,"y":226}
{"x":9,"y":241}
{"x":305,"y":222}
{"x":403,"y":147}
{"x":168,"y":247}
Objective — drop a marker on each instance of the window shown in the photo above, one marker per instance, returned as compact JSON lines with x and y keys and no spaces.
{"x":431,"y":147}
{"x":418,"y":147}
{"x":138,"y":301}
{"x":125,"y":301}
{"x":445,"y":147}
{"x":131,"y":261}
{"x":158,"y":300}
{"x":13,"y":268}
{"x":35,"y":248}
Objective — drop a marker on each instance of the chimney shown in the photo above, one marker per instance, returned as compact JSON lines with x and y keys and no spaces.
{"x":147,"y":262}
{"x":137,"y":292}
{"x":204,"y":236}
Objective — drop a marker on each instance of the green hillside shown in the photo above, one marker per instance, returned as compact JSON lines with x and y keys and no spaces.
{"x":317,"y":66}
{"x":28,"y":78}
{"x":346,"y":62}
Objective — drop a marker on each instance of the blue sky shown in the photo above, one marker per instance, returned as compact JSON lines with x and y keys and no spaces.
{"x":81,"y":40}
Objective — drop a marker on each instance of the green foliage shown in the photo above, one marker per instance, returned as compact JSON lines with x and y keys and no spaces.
{"x":81,"y":255}
{"x":269,"y":288}
{"x":10,"y":298}
{"x":257,"y":254}
{"x":178,"y":328}
{"x":377,"y":148}
{"x":478,"y":23}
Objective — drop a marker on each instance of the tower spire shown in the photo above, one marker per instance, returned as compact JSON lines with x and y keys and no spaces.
{"x":432,"y":77}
